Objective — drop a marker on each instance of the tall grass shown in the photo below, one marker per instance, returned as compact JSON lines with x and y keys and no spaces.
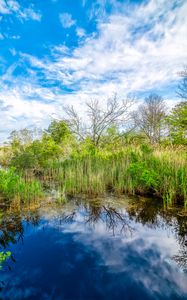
{"x":142,"y":169}
{"x":133,"y":170}
{"x":14,"y":186}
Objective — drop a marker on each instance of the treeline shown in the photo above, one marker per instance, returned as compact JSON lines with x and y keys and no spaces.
{"x":109,"y":129}
{"x":113,"y":147}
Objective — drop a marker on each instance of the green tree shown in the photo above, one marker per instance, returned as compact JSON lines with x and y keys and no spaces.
{"x":59,"y":131}
{"x":37,"y":155}
{"x":177,"y":121}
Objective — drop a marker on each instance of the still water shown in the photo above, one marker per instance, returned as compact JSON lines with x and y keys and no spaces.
{"x":94,"y":249}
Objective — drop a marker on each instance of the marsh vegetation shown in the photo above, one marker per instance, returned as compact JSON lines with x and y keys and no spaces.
{"x":113,"y":148}
{"x":146,"y":156}
{"x":64,"y":204}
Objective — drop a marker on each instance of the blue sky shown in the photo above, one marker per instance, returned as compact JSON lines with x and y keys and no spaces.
{"x":57,"y":52}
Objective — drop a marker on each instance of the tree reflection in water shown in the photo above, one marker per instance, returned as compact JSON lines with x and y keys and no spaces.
{"x":181,"y":258}
{"x":11,"y":224}
{"x":152,"y":213}
{"x":117,"y":217}
{"x":113,"y":218}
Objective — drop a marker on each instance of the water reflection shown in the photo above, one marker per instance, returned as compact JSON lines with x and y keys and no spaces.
{"x":114,"y":219}
{"x":95,"y":249}
{"x":11,"y":224}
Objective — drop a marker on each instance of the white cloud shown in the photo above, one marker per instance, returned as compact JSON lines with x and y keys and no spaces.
{"x":13,"y":7}
{"x":3,"y":7}
{"x":29,"y":13}
{"x":135,"y":49}
{"x":66,"y":20}
{"x":25,"y":103}
{"x":80,"y":32}
{"x":13,"y":51}
{"x":17,"y":112}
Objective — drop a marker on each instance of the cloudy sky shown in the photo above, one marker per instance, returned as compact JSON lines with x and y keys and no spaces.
{"x":54,"y":52}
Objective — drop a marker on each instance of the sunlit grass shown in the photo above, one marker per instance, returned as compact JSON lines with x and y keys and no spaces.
{"x":162,"y":173}
{"x":13,"y":186}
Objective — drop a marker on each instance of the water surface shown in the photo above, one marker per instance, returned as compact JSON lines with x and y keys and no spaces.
{"x":94,"y":249}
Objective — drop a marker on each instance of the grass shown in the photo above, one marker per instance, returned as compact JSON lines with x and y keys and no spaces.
{"x":161,"y":172}
{"x":141,"y":170}
{"x":14,"y":186}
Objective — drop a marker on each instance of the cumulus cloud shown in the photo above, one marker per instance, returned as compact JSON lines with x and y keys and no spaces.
{"x":24,"y":103}
{"x":18,"y":112}
{"x":136,"y":48}
{"x":66,"y":20}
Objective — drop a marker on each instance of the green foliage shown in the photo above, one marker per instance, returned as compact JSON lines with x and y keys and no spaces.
{"x":143,"y":177}
{"x":131,"y":170}
{"x":177,"y":122}
{"x":45,"y":150}
{"x":36,"y":155}
{"x":3,"y":257}
{"x":146,"y":149}
{"x":85,"y":148}
{"x":122,"y":163}
{"x":59,"y":131}
{"x":13,"y":186}
{"x":20,"y":138}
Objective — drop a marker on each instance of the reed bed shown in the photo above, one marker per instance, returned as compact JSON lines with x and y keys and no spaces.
{"x":144,"y":170}
{"x":132,"y":171}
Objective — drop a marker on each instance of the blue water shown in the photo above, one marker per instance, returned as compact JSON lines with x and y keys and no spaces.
{"x":87,"y":249}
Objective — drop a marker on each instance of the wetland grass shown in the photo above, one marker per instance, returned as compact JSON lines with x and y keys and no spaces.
{"x":132,"y":171}
{"x":13,"y":186}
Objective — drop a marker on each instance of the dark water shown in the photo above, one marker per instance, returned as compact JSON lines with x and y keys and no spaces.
{"x":94,"y":249}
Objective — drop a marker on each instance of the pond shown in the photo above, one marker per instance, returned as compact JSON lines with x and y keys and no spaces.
{"x":112,"y":248}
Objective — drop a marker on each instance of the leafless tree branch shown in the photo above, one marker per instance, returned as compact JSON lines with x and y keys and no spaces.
{"x":99,"y":118}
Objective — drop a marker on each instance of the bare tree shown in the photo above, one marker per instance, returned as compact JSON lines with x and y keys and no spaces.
{"x":149,"y":117}
{"x":75,"y":122}
{"x":99,"y":118}
{"x":114,"y":219}
{"x":182,"y":87}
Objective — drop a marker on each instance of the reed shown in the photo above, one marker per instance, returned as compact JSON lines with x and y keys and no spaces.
{"x":144,"y":170}
{"x":133,"y":170}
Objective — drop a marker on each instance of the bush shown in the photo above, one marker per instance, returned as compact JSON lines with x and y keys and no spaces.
{"x":12,"y":186}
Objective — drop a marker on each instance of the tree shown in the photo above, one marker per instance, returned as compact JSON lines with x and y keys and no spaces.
{"x":19,"y":139}
{"x":59,"y":130}
{"x":149,"y":117}
{"x":177,"y":121}
{"x":182,"y":87}
{"x":98,"y":118}
{"x":36,"y":155}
